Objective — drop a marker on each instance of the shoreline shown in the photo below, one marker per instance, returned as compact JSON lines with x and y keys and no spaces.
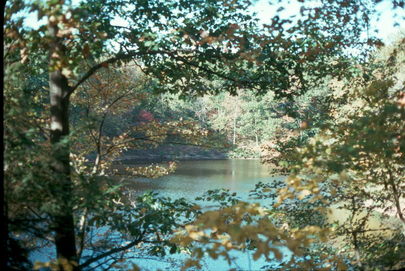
{"x":143,"y":160}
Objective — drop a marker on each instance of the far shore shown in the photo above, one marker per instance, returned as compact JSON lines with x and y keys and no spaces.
{"x":162,"y":159}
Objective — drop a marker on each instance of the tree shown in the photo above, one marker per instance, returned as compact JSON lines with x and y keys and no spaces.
{"x":101,"y":131}
{"x":356,"y":162}
{"x":99,"y":201}
{"x":298,"y":121}
{"x":66,"y":50}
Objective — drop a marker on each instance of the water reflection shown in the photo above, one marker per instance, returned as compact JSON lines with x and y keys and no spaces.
{"x":194,"y":177}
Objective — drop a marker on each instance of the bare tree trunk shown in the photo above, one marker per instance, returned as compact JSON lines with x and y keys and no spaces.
{"x":397,"y":202}
{"x":234,"y":128}
{"x":256,"y":134}
{"x":395,"y":192}
{"x":4,"y":212}
{"x":62,"y":216}
{"x":357,"y":251}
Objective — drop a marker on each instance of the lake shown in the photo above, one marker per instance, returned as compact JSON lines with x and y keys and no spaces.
{"x":192,"y":178}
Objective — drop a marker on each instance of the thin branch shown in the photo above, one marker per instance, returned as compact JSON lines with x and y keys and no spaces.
{"x":111,"y":252}
{"x":118,"y":57}
{"x":101,"y":126}
{"x":35,"y":213}
{"x":113,"y":262}
{"x":130,"y":55}
{"x":102,"y":263}
{"x":82,"y":232}
{"x":112,"y":147}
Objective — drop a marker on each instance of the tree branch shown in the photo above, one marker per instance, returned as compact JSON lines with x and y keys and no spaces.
{"x":118,"y":57}
{"x":110,"y":252}
{"x":174,"y":55}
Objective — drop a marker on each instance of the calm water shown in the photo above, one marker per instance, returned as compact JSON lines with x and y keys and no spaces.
{"x":192,"y":178}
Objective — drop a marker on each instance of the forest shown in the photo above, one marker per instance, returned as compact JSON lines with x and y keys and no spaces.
{"x":190,"y":135}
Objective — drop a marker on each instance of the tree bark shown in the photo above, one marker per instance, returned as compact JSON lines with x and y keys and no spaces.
{"x":62,"y":215}
{"x":4,"y":212}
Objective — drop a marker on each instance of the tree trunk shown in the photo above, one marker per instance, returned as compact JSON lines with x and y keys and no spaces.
{"x":357,"y":250}
{"x":234,"y":128}
{"x":396,"y":195}
{"x":256,"y":134}
{"x":62,"y":215}
{"x":4,"y":213}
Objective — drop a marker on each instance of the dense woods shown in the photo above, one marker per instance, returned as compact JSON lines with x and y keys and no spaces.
{"x":314,"y":95}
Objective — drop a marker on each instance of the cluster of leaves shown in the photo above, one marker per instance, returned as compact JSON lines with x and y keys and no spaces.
{"x":25,"y":161}
{"x":300,"y":119}
{"x":253,"y":126}
{"x":219,"y":196}
{"x":106,"y":124}
{"x":215,"y":40}
{"x":359,"y":162}
{"x":245,"y":226}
